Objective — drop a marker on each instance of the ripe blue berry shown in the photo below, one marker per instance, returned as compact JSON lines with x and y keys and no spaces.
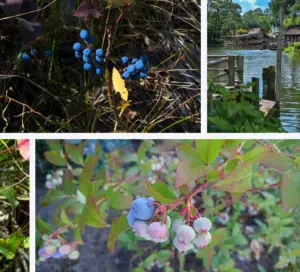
{"x":139,"y":65}
{"x":47,"y":53}
{"x":84,"y":34}
{"x":99,"y":52}
{"x":77,"y":46}
{"x":144,"y":58}
{"x":130,"y":69}
{"x":131,"y":219}
{"x":134,"y":60}
{"x":143,"y":74}
{"x":78,"y":55}
{"x":99,"y":59}
{"x":87,"y":66}
{"x":87,"y":52}
{"x":141,"y":209}
{"x":126,"y":75}
{"x":99,"y":70}
{"x":25,"y":57}
{"x":90,"y":39}
{"x":86,"y":59}
{"x":124,"y":60}
{"x":33,"y":52}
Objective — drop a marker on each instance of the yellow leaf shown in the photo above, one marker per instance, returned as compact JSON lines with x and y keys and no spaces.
{"x":119,"y":84}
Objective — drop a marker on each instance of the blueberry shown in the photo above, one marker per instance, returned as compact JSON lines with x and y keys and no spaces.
{"x":84,"y":34}
{"x":87,"y":52}
{"x":124,"y":60}
{"x":141,"y":209}
{"x":86,"y":59}
{"x":77,"y":46}
{"x":144,"y":58}
{"x":87,"y":66}
{"x":131,"y":219}
{"x":78,"y":55}
{"x":143,"y":74}
{"x":99,"y":52}
{"x":134,"y":60}
{"x":99,"y":59}
{"x":25,"y":57}
{"x":139,"y":65}
{"x":33,"y":52}
{"x":47,"y":53}
{"x":130,"y":69}
{"x":57,"y":255}
{"x":126,"y":75}
{"x":99,"y":70}
{"x":90,"y":39}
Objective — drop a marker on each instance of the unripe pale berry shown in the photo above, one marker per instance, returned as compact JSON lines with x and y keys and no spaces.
{"x":141,"y":208}
{"x":59,"y":180}
{"x":42,"y":253}
{"x":131,"y":219}
{"x":49,"y":185}
{"x":77,"y":46}
{"x":65,"y":250}
{"x":59,"y":172}
{"x":56,"y":242}
{"x":177,"y":223}
{"x":182,"y":247}
{"x":202,"y":240}
{"x":99,"y":52}
{"x":74,"y":255}
{"x":57,"y":255}
{"x":49,"y":176}
{"x":202,"y":225}
{"x":140,"y":228}
{"x":158,"y":232}
{"x":50,"y":250}
{"x":84,"y":34}
{"x":185,"y":233}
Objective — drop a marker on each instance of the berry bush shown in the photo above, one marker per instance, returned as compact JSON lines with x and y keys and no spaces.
{"x":204,"y":205}
{"x":100,"y":66}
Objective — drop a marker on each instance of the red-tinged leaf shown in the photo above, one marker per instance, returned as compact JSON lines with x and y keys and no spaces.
{"x":189,"y":171}
{"x":74,"y":153}
{"x":91,"y":215}
{"x":254,"y":155}
{"x":117,"y":227}
{"x":277,"y":161}
{"x":208,"y":150}
{"x":85,"y":178}
{"x":187,"y":152}
{"x":290,"y":192}
{"x":239,"y":181}
{"x":55,"y":158}
{"x":30,"y":31}
{"x":161,"y":192}
{"x":87,"y":9}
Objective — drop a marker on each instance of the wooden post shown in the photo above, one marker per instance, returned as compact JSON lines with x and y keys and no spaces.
{"x":278,"y":58}
{"x":271,"y":84}
{"x":255,"y":91}
{"x":231,"y":71}
{"x":240,"y":68}
{"x":265,"y":78}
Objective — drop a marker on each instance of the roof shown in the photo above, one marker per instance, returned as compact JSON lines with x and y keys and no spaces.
{"x":293,"y":30}
{"x":254,"y":31}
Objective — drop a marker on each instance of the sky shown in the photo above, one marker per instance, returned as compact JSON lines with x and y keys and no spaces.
{"x":252,"y":4}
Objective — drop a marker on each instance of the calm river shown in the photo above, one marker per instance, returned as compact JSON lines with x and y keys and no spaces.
{"x":255,"y":61}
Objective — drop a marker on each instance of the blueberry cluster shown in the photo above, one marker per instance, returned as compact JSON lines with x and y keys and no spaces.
{"x":55,"y":248}
{"x":135,"y":69}
{"x":138,"y":218}
{"x":55,"y":179}
{"x":188,"y":237}
{"x":91,"y":60}
{"x":33,"y":53}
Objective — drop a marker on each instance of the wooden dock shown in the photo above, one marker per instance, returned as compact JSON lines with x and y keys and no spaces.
{"x":228,"y":72}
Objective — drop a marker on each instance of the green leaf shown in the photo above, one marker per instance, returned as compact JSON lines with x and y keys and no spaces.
{"x":74,"y":153}
{"x":208,"y":150}
{"x":9,"y":246}
{"x":255,"y":155}
{"x":54,"y":145}
{"x":290,"y":192}
{"x":65,"y":218}
{"x":277,"y":161}
{"x":69,"y":186}
{"x":85,"y":178}
{"x":161,"y":192}
{"x":10,"y":194}
{"x":213,"y":176}
{"x":282,"y":263}
{"x":295,"y":252}
{"x":187,"y":152}
{"x":297,"y":161}
{"x":55,"y":158}
{"x":119,"y":201}
{"x":52,"y":196}
{"x":239,"y":181}
{"x":91,"y":215}
{"x":117,"y":227}
{"x":231,"y":165}
{"x":43,"y":227}
{"x":26,"y":242}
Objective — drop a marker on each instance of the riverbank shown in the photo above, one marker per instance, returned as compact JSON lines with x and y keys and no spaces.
{"x":293,"y":49}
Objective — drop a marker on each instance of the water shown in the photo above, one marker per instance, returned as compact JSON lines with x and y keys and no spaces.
{"x":255,"y":61}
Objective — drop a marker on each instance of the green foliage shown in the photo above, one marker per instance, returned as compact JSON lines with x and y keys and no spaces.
{"x":240,"y":107}
{"x":9,"y":246}
{"x":293,"y":49}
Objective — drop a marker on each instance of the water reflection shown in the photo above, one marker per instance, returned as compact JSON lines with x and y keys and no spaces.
{"x":255,"y":61}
